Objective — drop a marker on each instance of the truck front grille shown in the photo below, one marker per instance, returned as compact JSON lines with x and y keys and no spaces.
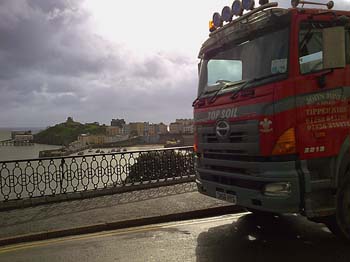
{"x":235,"y":153}
{"x":242,"y":140}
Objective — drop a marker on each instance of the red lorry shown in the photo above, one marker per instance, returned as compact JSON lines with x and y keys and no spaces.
{"x":272,"y":116}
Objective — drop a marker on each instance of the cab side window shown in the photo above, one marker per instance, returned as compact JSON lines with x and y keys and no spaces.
{"x":310,"y":49}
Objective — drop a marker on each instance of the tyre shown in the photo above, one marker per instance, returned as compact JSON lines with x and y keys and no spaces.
{"x":339,"y":224}
{"x":260,"y":213}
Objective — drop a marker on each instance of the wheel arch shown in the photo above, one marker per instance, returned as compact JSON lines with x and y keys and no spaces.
{"x":342,"y":161}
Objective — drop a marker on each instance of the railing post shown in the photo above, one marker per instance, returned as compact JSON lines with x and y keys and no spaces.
{"x":61,"y":175}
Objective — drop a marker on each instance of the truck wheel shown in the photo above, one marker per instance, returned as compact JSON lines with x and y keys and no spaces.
{"x":260,"y":213}
{"x":339,"y":224}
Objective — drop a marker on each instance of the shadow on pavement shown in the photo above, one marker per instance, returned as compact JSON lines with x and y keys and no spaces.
{"x":22,"y":216}
{"x":269,"y":238}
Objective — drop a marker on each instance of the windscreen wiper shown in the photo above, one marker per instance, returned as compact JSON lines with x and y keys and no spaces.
{"x":226,"y":85}
{"x":234,"y":95}
{"x":198,"y":98}
{"x":204,"y":92}
{"x":306,"y":37}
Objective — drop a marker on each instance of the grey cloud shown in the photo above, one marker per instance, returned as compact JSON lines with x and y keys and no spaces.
{"x":53,"y":65}
{"x":50,"y":5}
{"x":153,"y":66}
{"x":37,"y":42}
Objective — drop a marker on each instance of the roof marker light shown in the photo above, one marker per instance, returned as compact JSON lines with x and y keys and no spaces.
{"x":263,"y":2}
{"x":212,"y":27}
{"x":295,"y":3}
{"x":226,"y":14}
{"x":217,"y":20}
{"x":330,"y":4}
{"x":248,"y":4}
{"x":237,"y":8}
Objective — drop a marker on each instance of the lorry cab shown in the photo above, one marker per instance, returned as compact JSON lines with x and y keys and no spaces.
{"x":272,"y":120}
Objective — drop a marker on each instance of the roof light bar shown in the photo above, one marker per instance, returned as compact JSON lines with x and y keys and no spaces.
{"x":248,"y":4}
{"x":263,"y":2}
{"x":226,"y":14}
{"x":217,"y":20}
{"x":212,"y":27}
{"x":295,"y":3}
{"x":237,"y":8}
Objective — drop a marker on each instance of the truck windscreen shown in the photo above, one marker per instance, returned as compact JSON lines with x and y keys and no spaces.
{"x":251,"y":58}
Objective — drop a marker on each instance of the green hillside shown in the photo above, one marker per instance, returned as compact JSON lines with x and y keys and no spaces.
{"x":65,"y":133}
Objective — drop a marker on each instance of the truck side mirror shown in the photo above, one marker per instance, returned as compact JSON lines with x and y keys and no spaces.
{"x":334,"y":47}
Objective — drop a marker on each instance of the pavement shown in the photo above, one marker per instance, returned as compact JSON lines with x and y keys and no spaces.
{"x":157,"y":205}
{"x":243,"y":237}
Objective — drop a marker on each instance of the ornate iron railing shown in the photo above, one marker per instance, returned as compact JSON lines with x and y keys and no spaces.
{"x":33,"y":178}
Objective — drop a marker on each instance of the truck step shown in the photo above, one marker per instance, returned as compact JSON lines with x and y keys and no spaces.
{"x":322,"y":212}
{"x":321,"y":184}
{"x":321,"y":201}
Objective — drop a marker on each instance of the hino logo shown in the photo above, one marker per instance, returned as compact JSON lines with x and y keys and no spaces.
{"x":222,"y":129}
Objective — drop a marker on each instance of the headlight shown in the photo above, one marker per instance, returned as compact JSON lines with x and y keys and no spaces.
{"x":278,"y":189}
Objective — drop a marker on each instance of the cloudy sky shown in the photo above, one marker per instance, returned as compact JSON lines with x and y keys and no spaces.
{"x":96,"y":60}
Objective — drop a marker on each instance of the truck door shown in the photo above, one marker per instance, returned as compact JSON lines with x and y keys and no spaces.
{"x":322,"y":110}
{"x":322,"y":116}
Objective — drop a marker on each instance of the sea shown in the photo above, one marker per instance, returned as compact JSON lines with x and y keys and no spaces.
{"x":8,"y":153}
{"x":20,"y":152}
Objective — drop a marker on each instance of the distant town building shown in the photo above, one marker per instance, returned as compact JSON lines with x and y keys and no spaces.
{"x":185,"y":122}
{"x":139,"y":128}
{"x":96,"y":139}
{"x":181,"y":126}
{"x":152,"y":130}
{"x":118,"y":122}
{"x":126,"y":130}
{"x":91,"y":139}
{"x":146,"y":129}
{"x":84,"y":139}
{"x":17,"y":133}
{"x":24,"y":138}
{"x":188,"y":129}
{"x":157,"y":129}
{"x":162,"y":129}
{"x":114,"y":130}
{"x":175,"y":128}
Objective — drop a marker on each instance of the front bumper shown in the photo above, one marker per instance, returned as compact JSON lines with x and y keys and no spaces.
{"x":249,"y":188}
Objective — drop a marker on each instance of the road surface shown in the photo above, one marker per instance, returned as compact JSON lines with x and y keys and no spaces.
{"x":242,"y":237}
